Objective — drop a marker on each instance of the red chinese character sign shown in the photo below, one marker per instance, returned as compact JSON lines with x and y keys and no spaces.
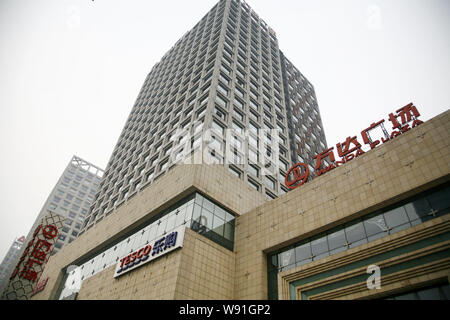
{"x":402,"y":121}
{"x":26,"y":275}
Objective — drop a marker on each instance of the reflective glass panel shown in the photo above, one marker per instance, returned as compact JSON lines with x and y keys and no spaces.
{"x":337,"y":239}
{"x":287,"y":258}
{"x":161,"y":226}
{"x":197,"y":213}
{"x":208,"y":205}
{"x":180,"y":217}
{"x":218,"y":225}
{"x":355,"y":232}
{"x":171,"y":222}
{"x":303,"y":252}
{"x":396,"y":217}
{"x":207,"y":218}
{"x":319,"y":246}
{"x":445,"y":289}
{"x":229,"y":231}
{"x":375,"y":225}
{"x":219,"y":212}
{"x":429,"y":294}
{"x":152,"y":232}
{"x":408,"y":296}
{"x":189,"y":211}
{"x":440,"y":200}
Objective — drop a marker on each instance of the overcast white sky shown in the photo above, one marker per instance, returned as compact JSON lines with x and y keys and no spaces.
{"x":70,"y":71}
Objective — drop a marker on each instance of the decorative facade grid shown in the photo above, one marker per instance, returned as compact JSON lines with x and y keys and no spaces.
{"x":307,"y":136}
{"x":226,"y":73}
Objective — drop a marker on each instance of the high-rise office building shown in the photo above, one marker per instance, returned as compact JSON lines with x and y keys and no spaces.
{"x":8,"y":262}
{"x":71,"y":198}
{"x":224,"y":93}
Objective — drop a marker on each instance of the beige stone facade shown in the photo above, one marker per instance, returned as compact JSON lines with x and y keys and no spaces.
{"x":412,"y":163}
{"x":201,"y":269}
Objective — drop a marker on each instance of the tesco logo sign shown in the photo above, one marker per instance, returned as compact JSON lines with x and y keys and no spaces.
{"x":150,"y":252}
{"x":134,"y":258}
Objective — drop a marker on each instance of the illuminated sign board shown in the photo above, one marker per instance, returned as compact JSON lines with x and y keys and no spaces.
{"x":151,"y":251}
{"x":351,"y":148}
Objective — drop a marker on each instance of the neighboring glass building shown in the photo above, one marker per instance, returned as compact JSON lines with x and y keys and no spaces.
{"x":8,"y":262}
{"x":224,"y":93}
{"x":70,"y":198}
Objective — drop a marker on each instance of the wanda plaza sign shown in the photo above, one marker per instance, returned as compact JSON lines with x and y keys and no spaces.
{"x":402,"y":121}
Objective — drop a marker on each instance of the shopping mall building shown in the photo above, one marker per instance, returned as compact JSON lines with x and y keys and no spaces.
{"x":374,"y":227}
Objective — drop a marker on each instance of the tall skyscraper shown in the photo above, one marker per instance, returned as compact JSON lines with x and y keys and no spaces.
{"x":8,"y":262}
{"x":224,"y":93}
{"x":71,"y":198}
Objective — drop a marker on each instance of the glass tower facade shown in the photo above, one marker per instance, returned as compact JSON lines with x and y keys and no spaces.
{"x":71,"y":198}
{"x":8,"y":262}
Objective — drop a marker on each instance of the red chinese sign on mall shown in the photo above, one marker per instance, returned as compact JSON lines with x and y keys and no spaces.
{"x":25,"y":277}
{"x":402,"y":121}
